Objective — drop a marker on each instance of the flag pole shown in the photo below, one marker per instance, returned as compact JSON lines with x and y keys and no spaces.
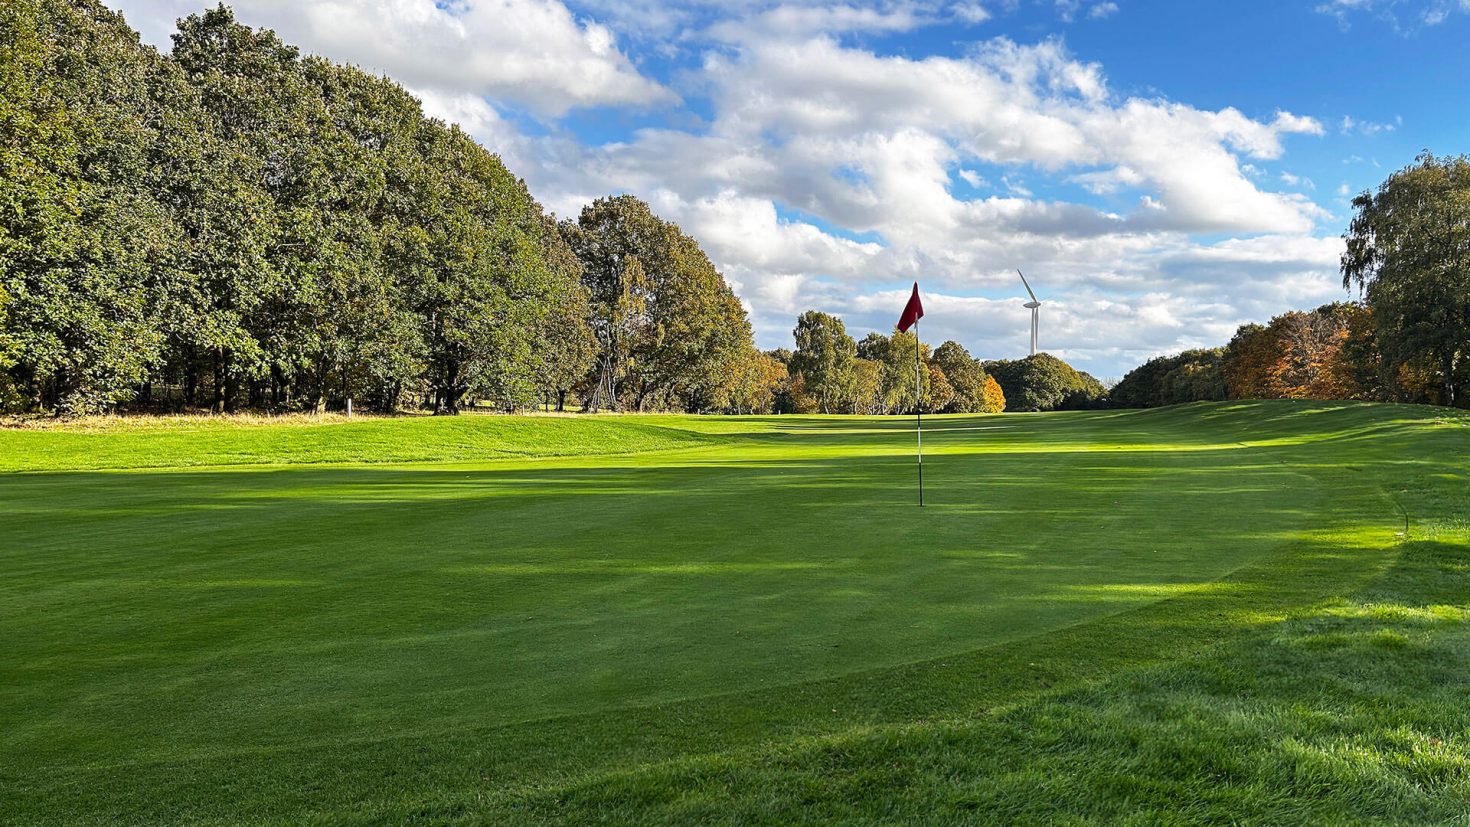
{"x":919,"y":411}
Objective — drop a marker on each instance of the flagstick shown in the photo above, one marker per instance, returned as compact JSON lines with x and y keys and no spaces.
{"x":919,"y":411}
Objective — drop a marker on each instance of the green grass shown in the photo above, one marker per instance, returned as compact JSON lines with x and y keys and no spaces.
{"x":1235,"y":613}
{"x":158,"y":443}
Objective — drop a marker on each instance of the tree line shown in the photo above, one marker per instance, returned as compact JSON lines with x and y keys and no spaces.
{"x":233,"y":224}
{"x":1404,"y":340}
{"x":830,"y":372}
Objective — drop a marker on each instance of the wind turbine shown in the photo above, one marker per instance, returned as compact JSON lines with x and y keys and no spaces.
{"x":1035,"y":307}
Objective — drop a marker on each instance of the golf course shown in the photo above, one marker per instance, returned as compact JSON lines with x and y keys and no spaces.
{"x":1247,"y":612}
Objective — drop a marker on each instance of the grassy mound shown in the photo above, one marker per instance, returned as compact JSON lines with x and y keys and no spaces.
{"x":163,"y":443}
{"x":1233,"y":613}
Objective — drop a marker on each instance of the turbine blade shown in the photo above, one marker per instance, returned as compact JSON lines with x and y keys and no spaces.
{"x":1028,"y":284}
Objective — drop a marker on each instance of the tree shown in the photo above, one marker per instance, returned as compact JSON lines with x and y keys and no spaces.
{"x":1357,"y":366}
{"x":941,"y":392}
{"x":1302,"y":355}
{"x":965,"y":376}
{"x":10,"y":398}
{"x":1043,"y":382}
{"x":472,"y":257}
{"x":1246,"y":364}
{"x":566,"y":348}
{"x":261,"y":320}
{"x":363,"y":336}
{"x":1408,"y":250}
{"x":865,"y":393}
{"x":1191,"y":376}
{"x":783,"y":402}
{"x":84,"y":236}
{"x":824,"y":357}
{"x":873,"y":347}
{"x":992,"y":398}
{"x":754,"y":386}
{"x":668,"y":326}
{"x":898,"y":374}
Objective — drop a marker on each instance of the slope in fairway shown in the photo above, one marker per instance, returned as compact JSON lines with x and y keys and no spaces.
{"x":176,"y":622}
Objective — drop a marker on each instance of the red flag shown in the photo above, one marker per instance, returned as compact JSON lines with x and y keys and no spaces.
{"x":912,"y":312}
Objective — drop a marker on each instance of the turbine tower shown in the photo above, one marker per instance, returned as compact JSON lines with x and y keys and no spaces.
{"x":1035,"y":307}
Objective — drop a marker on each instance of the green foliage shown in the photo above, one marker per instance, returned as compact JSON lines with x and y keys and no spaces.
{"x":967,"y":379}
{"x":755,"y":386}
{"x":288,"y":233}
{"x":1408,"y":249}
{"x":824,"y":358}
{"x":10,"y":398}
{"x":1191,"y":376}
{"x":83,"y":119}
{"x":873,"y":347}
{"x":1045,"y":383}
{"x":902,"y":375}
{"x":471,"y":258}
{"x":566,"y":348}
{"x":670,"y":331}
{"x":866,"y":390}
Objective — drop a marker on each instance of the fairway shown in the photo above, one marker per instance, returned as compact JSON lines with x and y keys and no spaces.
{"x":670,"y":619}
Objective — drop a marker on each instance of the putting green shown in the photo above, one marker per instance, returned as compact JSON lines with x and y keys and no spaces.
{"x":318,"y":612}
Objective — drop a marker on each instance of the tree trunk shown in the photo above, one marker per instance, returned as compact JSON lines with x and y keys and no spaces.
{"x":446,"y":402}
{"x":561,"y":401}
{"x":218,"y":402}
{"x":232,"y":394}
{"x":191,"y":380}
{"x":1449,"y":380}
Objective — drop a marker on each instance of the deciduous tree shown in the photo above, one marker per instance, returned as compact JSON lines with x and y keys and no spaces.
{"x":824,"y":357}
{"x":1408,"y":250}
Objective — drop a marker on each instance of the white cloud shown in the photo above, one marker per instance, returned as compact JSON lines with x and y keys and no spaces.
{"x":970,"y":12}
{"x":800,"y":21}
{"x":821,"y":173}
{"x":1069,"y":10}
{"x":870,"y":145}
{"x":1351,"y":125}
{"x":533,"y":53}
{"x":1404,"y":16}
{"x":973,"y":178}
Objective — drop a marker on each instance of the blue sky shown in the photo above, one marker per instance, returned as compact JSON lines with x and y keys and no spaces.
{"x":1163,"y":171}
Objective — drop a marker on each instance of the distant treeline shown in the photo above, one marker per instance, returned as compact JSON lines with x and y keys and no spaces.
{"x":1408,"y":251}
{"x":831,"y":373}
{"x":235,"y":225}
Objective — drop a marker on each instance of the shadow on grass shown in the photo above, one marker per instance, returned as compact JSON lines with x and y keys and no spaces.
{"x":1351,"y":712}
{"x":626,"y":764}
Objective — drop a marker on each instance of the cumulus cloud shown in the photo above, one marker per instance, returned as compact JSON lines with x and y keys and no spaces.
{"x":533,"y":53}
{"x":821,"y":172}
{"x":870,"y":147}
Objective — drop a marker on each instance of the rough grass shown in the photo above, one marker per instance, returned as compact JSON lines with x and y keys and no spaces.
{"x":1245,"y":613}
